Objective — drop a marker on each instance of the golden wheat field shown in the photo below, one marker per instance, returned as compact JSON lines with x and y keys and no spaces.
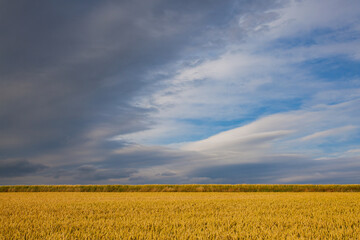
{"x":77,"y":215}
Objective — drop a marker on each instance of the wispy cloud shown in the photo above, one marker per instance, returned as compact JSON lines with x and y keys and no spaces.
{"x":327,"y":133}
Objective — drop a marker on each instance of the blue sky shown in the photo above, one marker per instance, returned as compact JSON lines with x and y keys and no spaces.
{"x":122,"y":92}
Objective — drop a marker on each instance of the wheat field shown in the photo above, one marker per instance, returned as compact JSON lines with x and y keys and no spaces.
{"x":178,"y":215}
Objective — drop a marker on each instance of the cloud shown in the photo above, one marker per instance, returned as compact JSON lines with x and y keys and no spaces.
{"x":235,"y":139}
{"x":293,"y":127}
{"x":10,"y":168}
{"x":273,"y":145}
{"x":145,"y":156}
{"x":330,"y":132}
{"x":69,"y":72}
{"x":261,"y":74}
{"x":92,"y":173}
{"x":301,"y":17}
{"x":287,"y":170}
{"x":167,"y":174}
{"x":354,"y":150}
{"x":271,"y":149}
{"x":134,"y":92}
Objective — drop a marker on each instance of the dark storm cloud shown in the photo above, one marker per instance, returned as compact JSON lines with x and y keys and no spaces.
{"x":65,"y":67}
{"x":19,"y":167}
{"x":70,"y":70}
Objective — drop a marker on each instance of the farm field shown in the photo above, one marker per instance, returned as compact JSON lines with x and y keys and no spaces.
{"x":179,"y":215}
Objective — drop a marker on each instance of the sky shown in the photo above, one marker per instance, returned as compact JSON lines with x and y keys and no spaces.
{"x":180,"y":92}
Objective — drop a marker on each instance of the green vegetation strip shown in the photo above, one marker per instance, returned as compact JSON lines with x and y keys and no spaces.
{"x":182,"y":188}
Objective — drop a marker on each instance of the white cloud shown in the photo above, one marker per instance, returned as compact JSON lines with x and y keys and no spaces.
{"x":265,"y":141}
{"x":237,"y":140}
{"x":283,"y":133}
{"x":300,"y":17}
{"x":357,"y":150}
{"x":256,"y":73}
{"x":331,"y":132}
